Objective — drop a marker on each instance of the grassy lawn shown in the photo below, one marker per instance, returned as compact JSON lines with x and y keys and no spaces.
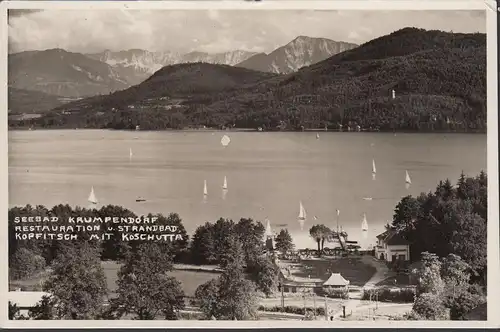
{"x":352,"y":269}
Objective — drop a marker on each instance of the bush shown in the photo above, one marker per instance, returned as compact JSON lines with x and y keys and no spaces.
{"x":429,"y":306}
{"x":25,"y":263}
{"x":320,"y":311}
{"x":402,"y":295}
{"x":342,"y":293}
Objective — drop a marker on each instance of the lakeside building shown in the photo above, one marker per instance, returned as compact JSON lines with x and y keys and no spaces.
{"x":392,"y":247}
{"x":26,"y":300}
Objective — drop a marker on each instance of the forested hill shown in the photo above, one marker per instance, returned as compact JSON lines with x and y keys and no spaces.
{"x":439,"y":81}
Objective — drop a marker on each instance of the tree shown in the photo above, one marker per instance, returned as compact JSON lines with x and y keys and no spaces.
{"x":43,"y":310}
{"x":284,"y":242}
{"x":231,"y":296}
{"x":429,"y":306}
{"x":251,"y":235}
{"x":15,"y":312}
{"x":78,"y":283}
{"x":144,"y":288}
{"x":25,"y":263}
{"x":202,"y":249}
{"x":206,"y":297}
{"x":430,"y":275}
{"x":320,"y":233}
{"x":114,"y":248}
{"x":236,"y":296}
{"x":460,"y":297}
{"x":264,"y":273}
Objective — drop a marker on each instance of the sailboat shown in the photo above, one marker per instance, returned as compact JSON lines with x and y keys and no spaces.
{"x":407,"y":178}
{"x":205,"y":190}
{"x":269,"y":231}
{"x":302,"y":216}
{"x":317,"y":136}
{"x":364,"y":227}
{"x":224,"y":186}
{"x":364,"y":224}
{"x":374,"y":170}
{"x":130,"y":153}
{"x":92,"y":198}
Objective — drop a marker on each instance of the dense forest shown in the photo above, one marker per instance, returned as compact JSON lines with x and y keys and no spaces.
{"x":438,"y":78}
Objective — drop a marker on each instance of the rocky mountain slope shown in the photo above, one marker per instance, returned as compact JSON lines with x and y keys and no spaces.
{"x":300,"y":52}
{"x":137,"y":65}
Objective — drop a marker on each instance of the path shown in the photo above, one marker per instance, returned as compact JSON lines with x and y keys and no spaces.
{"x":382,"y":273}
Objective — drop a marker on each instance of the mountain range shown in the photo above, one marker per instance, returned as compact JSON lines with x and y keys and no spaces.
{"x":411,"y":79}
{"x":61,"y":73}
{"x":137,"y":65}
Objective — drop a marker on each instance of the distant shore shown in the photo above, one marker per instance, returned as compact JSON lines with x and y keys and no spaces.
{"x":235,"y":130}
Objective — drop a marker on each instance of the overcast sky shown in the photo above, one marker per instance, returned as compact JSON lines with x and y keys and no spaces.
{"x":216,"y":31}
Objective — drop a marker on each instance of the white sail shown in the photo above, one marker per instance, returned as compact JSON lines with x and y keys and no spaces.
{"x":407,"y":178}
{"x":364,"y":224}
{"x":130,"y":153}
{"x":269,"y":231}
{"x":317,"y":136}
{"x":302,"y":212}
{"x":205,"y":190}
{"x":224,"y":186}
{"x":374,"y":168}
{"x":92,"y":198}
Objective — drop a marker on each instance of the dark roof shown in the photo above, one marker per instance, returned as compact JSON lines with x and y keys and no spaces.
{"x":396,"y":239}
{"x":392,"y":238}
{"x":382,"y":236}
{"x":478,"y":313}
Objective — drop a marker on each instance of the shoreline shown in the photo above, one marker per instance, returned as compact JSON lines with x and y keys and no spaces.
{"x":251,"y":130}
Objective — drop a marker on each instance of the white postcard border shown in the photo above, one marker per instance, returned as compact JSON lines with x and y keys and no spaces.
{"x":490,"y":8}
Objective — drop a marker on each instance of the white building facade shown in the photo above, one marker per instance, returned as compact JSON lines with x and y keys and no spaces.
{"x":392,"y":247}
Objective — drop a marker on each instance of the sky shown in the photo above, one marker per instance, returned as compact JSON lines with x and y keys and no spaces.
{"x":216,"y":31}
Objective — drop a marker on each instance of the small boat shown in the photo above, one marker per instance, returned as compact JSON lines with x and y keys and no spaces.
{"x":374,"y":168}
{"x":205,"y":190}
{"x":140,"y":199}
{"x":367,"y":198}
{"x":92,"y":198}
{"x":130,"y":153}
{"x":224,"y":185}
{"x":317,"y":136}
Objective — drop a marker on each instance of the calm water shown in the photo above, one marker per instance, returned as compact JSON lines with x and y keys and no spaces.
{"x":268,"y":174}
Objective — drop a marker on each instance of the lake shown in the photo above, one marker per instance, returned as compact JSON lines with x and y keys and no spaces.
{"x":268,"y":174}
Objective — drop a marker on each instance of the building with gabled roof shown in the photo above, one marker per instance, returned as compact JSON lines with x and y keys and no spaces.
{"x":336,"y":280}
{"x":391,"y":247}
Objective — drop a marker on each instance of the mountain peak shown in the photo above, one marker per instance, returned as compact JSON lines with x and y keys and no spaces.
{"x":300,"y":52}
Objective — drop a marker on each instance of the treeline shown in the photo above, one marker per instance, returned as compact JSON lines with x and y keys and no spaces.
{"x":450,"y":220}
{"x":112,"y":248}
{"x":439,"y":80}
{"x":447,"y":230}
